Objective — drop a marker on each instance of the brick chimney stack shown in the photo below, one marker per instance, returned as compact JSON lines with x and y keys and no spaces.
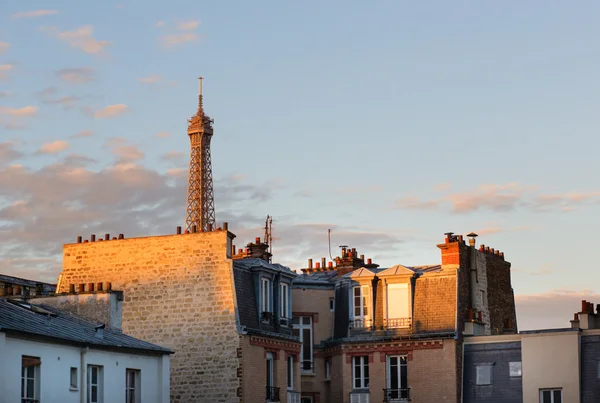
{"x":256,"y":249}
{"x":350,"y":261}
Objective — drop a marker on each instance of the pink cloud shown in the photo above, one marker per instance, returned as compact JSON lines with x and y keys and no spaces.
{"x":53,"y":147}
{"x":82,"y":39}
{"x":77,"y":75}
{"x":26,"y":111}
{"x":4,"y":47}
{"x":111,"y":111}
{"x":34,"y":13}
{"x":5,"y":69}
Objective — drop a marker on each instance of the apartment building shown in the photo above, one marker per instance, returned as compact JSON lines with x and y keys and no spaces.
{"x":372,"y":334}
{"x":539,"y":366}
{"x":49,"y":354}
{"x":226,"y":314}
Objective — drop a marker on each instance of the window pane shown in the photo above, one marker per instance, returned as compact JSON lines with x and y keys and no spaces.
{"x":366,"y":371}
{"x":514,"y":368}
{"x":306,"y":345}
{"x":557,"y":396}
{"x":296,"y":320}
{"x":94,"y":393}
{"x":546,"y":396}
{"x":30,"y":386}
{"x":306,"y":320}
{"x":94,"y":375}
{"x":483,"y":374}
{"x":74,"y":377}
{"x":403,"y":374}
{"x":290,"y":363}
{"x":394,"y":374}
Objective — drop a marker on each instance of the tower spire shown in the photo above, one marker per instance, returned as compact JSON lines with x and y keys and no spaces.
{"x":200,"y":211}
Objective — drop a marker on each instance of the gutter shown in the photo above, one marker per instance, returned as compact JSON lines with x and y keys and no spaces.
{"x":83,"y":386}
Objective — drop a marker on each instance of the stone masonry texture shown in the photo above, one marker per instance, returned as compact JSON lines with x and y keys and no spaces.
{"x":178,"y":293}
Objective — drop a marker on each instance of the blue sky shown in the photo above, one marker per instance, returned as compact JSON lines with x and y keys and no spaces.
{"x":388,"y":122}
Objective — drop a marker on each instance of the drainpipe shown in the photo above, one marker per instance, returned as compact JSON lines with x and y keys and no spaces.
{"x":456,"y":330}
{"x":83,"y":386}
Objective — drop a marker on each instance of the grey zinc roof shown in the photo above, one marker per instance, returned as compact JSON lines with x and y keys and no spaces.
{"x":25,"y":282}
{"x":251,"y":263}
{"x":49,"y":322}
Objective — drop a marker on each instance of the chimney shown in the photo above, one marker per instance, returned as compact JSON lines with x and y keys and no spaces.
{"x":350,"y":262}
{"x":472,"y":237}
{"x":310,"y":263}
{"x":102,"y":307}
{"x":323,"y":262}
{"x":451,"y":251}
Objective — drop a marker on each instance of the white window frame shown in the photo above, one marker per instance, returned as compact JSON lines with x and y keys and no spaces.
{"x":74,"y":381}
{"x":135,"y":387}
{"x":327,"y":369}
{"x":551,"y":390}
{"x":25,"y":376}
{"x":388,"y":372}
{"x":99,"y":384}
{"x":361,"y":361}
{"x":284,"y":300}
{"x":290,"y":372}
{"x":365,"y":302}
{"x":301,"y":326}
{"x":515,"y":369}
{"x":265,"y":295}
{"x":331,"y":304}
{"x":479,"y":381}
{"x":270,"y":370}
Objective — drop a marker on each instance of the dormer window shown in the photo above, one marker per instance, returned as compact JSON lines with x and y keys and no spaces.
{"x":361,"y":306}
{"x":284,"y":304}
{"x":398,"y":306}
{"x":265,"y":295}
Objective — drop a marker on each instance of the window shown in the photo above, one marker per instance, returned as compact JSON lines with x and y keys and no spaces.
{"x":306,"y":400}
{"x":550,"y":395}
{"x":331,"y":304}
{"x":303,"y":330}
{"x":398,"y":306}
{"x":284,"y":304}
{"x":360,"y":372}
{"x":30,"y":378}
{"x":94,"y":381}
{"x":514,"y":369}
{"x":265,"y":295}
{"x":74,"y":380}
{"x":290,"y":372}
{"x":132,"y":386}
{"x":397,"y":377}
{"x":483,"y":374}
{"x":272,"y":391}
{"x":361,"y":302}
{"x":327,"y":369}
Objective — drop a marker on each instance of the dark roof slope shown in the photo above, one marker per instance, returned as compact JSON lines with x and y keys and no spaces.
{"x":244,"y":290}
{"x":256,"y":263}
{"x":26,"y":283}
{"x":46,"y":321}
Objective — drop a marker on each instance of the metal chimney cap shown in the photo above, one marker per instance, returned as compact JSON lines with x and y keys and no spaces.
{"x":448,"y":233}
{"x":472,"y":235}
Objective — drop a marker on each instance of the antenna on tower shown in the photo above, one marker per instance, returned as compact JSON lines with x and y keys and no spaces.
{"x":329,"y":239}
{"x":269,"y":234}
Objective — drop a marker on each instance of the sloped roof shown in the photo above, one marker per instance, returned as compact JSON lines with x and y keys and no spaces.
{"x":49,"y":322}
{"x":363,"y":272}
{"x":250,"y":263}
{"x":397,"y":270}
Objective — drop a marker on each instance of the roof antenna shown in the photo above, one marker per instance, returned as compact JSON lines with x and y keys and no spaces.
{"x":329,"y":239}
{"x":269,"y":234}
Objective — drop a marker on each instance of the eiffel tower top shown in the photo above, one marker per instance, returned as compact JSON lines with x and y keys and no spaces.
{"x":200,"y":121}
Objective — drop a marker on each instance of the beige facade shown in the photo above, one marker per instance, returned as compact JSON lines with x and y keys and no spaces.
{"x":551,"y":360}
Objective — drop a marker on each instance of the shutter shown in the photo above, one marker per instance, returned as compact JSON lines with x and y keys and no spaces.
{"x":397,"y":301}
{"x":30,"y":361}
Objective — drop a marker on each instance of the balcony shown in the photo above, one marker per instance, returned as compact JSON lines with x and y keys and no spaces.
{"x":266,"y":317}
{"x":396,"y":395}
{"x":286,"y":322}
{"x":28,"y":400}
{"x":272,"y":394}
{"x":293,"y":397}
{"x":397,"y":323}
{"x":361,"y":324}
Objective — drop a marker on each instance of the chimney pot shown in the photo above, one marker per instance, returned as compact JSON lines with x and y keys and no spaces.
{"x":91,"y":287}
{"x":93,"y":238}
{"x":310,"y":263}
{"x":121,"y":236}
{"x":186,"y":232}
{"x":330,"y":265}
{"x":108,"y":286}
{"x":369,"y":261}
{"x":99,"y":287}
{"x":583,"y":305}
{"x":240,"y":251}
{"x":78,"y":239}
{"x":317,"y":265}
{"x":257,"y":240}
{"x":106,"y":237}
{"x":72,"y":288}
{"x":323,"y":262}
{"x":179,"y":230}
{"x":85,"y":241}
{"x":114,"y":238}
{"x":343,"y":252}
{"x":362,"y":257}
{"x":576,"y":316}
{"x":81,"y":287}
{"x":226,"y":226}
{"x":100,"y":239}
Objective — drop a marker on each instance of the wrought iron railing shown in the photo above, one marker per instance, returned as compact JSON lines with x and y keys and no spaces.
{"x":28,"y":400}
{"x":394,"y":323}
{"x":283,"y":321}
{"x":396,"y":395}
{"x":272,"y":394}
{"x":266,"y":317}
{"x":293,"y":397}
{"x":306,"y":365}
{"x":361,"y":324}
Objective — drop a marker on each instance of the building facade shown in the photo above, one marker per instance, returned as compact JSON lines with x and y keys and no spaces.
{"x":372,"y":334}
{"x":50,"y":355}
{"x":11,"y":286}
{"x":226,"y":315}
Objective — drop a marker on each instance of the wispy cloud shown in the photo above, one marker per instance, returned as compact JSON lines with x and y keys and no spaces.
{"x":111,"y":111}
{"x":53,"y":147}
{"x":24,"y":112}
{"x":125,"y":153}
{"x":152,"y":79}
{"x":48,"y":96}
{"x":173,"y":155}
{"x":82,"y":39}
{"x":34,"y":13}
{"x":9,"y":153}
{"x":77,"y":75}
{"x":162,"y":135}
{"x":82,"y":134}
{"x":414,"y":203}
{"x":159,"y":24}
{"x":188,"y":25}
{"x":5,"y":94}
{"x":4,"y":47}
{"x":5,"y":69}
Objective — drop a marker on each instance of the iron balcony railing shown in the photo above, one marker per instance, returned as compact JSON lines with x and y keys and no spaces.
{"x":266,"y":317}
{"x":396,"y":395}
{"x":361,"y":324}
{"x":394,"y":323}
{"x":306,"y":365}
{"x":28,"y":400}
{"x":272,"y":394}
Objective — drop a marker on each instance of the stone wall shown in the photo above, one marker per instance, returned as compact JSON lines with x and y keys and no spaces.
{"x":178,"y":293}
{"x":435,"y":302}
